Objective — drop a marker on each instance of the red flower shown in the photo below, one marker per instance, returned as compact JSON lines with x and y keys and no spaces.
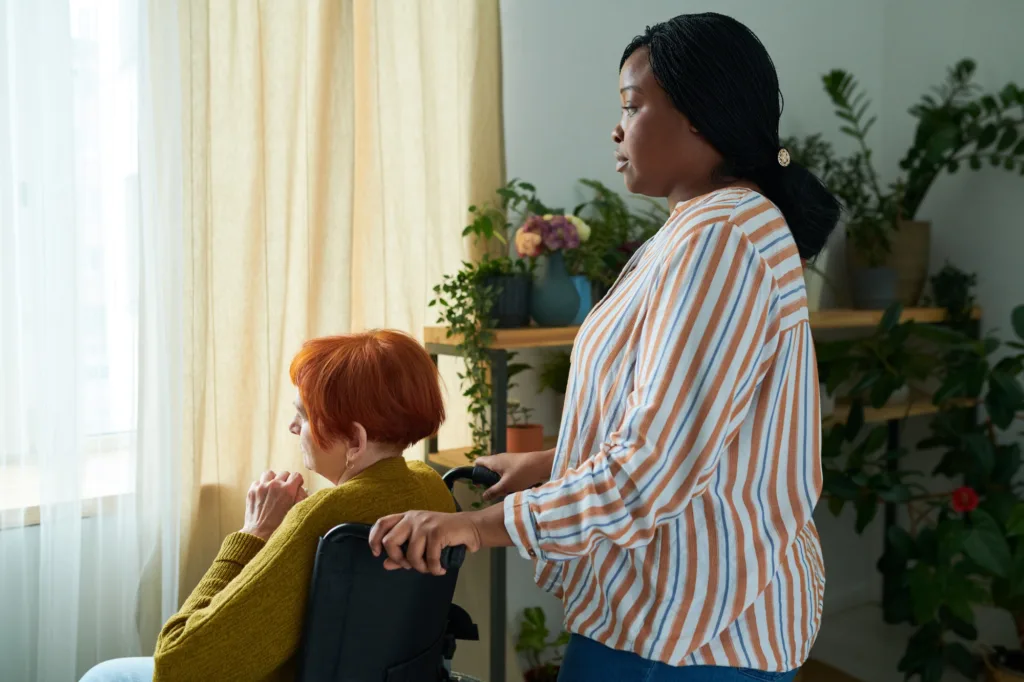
{"x":965,"y":499}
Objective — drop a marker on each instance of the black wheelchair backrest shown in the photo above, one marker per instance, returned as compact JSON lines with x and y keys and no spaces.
{"x":367,"y":624}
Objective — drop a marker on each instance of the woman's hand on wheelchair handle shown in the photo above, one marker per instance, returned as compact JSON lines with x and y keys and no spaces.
{"x":518,"y":471}
{"x":425,"y":534}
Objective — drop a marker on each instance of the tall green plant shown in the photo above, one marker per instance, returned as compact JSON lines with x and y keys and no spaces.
{"x":964,"y":546}
{"x":956,"y":126}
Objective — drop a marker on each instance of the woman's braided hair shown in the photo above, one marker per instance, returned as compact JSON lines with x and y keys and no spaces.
{"x":719,"y":75}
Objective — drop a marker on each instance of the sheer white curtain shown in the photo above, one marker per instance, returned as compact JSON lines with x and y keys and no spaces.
{"x":90,"y":341}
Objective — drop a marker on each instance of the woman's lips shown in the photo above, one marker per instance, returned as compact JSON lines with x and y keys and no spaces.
{"x":620,"y":163}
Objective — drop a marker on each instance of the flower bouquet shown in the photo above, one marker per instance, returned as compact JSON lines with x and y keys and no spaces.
{"x":556,"y":298}
{"x":542,"y":235}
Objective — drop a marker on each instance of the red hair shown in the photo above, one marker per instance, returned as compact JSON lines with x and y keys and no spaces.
{"x":382,"y":379}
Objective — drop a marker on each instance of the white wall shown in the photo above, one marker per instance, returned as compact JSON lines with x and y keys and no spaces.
{"x":560,"y":69}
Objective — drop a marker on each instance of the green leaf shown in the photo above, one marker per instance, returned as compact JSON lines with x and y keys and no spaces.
{"x":1019,"y":149}
{"x":891,"y":317}
{"x":1009,"y":164}
{"x":1010,"y":387}
{"x":855,"y":421}
{"x":867,"y":508}
{"x":835,"y":505}
{"x":975,"y":163}
{"x":981,"y":450}
{"x":985,"y":544}
{"x":925,"y":593}
{"x":950,"y":535}
{"x":987,"y":137}
{"x":953,"y":166}
{"x":957,"y":655}
{"x":900,"y":542}
{"x":1008,"y":138}
{"x":838,"y":484}
{"x":933,"y":668}
{"x":1018,"y":321}
{"x":1015,"y":524}
{"x":961,"y":627}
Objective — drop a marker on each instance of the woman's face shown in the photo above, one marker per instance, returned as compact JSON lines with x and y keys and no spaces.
{"x":331,"y":463}
{"x":657,"y":151}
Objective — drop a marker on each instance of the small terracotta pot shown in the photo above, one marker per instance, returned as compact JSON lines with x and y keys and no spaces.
{"x":524,"y":438}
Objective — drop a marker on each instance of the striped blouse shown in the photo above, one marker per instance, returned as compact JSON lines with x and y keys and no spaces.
{"x":677,"y":524}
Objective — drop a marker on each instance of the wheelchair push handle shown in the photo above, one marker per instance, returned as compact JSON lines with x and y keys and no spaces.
{"x":452,"y":558}
{"x":479,"y":475}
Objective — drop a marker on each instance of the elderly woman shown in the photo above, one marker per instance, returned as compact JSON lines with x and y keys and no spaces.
{"x":362,"y":399}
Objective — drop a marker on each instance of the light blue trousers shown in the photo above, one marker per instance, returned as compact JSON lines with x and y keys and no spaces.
{"x":122,"y":670}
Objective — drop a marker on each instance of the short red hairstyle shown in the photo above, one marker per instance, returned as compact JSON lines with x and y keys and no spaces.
{"x":382,"y":379}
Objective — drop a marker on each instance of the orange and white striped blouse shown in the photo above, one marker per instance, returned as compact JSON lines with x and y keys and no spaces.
{"x":677,"y":524}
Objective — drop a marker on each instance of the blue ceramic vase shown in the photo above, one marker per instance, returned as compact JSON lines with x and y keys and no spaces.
{"x":555,"y":301}
{"x":584,"y":289}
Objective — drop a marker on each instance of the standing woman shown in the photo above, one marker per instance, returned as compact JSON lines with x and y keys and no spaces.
{"x":676,"y":520}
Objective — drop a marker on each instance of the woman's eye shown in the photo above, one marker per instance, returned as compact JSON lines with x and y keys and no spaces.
{"x":629,"y":110}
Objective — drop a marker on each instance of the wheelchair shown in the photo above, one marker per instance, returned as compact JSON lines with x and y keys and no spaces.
{"x":366,"y":624}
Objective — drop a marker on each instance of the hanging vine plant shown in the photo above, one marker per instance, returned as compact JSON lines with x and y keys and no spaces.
{"x":466,"y":303}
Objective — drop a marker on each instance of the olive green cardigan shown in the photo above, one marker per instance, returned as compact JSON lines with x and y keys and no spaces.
{"x":244,"y":619}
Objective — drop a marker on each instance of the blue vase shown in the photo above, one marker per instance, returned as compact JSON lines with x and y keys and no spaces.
{"x":583,"y":288}
{"x":555,"y":301}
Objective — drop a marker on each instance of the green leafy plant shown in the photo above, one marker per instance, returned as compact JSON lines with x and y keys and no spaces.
{"x":951,"y":290}
{"x":616,"y":231}
{"x":965,"y":545}
{"x":553,"y":374}
{"x":956,"y":126}
{"x":493,"y":220}
{"x":518,"y":414}
{"x":466,"y":300}
{"x":543,"y":653}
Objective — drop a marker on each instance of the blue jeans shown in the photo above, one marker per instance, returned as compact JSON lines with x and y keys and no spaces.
{"x":587,"y":661}
{"x":122,"y":670}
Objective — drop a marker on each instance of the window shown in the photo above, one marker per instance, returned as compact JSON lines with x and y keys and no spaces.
{"x":69,"y":281}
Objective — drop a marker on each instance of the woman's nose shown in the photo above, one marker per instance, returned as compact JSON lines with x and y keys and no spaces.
{"x":618,"y":133}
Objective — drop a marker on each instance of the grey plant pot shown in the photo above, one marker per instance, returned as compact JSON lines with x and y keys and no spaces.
{"x":875,"y":288}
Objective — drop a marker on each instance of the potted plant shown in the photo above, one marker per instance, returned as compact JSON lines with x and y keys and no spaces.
{"x":617,"y":230}
{"x":955,"y":126}
{"x":556,"y":301}
{"x":482,"y":296}
{"x":509,"y":280}
{"x":964,"y":546}
{"x":521,"y":435}
{"x":543,"y":655}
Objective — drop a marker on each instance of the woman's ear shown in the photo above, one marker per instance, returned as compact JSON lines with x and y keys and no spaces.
{"x":356,"y":444}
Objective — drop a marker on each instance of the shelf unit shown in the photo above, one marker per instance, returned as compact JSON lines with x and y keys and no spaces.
{"x":439,"y":341}
{"x":555,"y":337}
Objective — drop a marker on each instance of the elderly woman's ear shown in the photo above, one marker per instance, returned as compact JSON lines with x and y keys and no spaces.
{"x":356,"y":451}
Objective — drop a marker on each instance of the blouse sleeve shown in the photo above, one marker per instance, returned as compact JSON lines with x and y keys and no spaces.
{"x":703,"y":344}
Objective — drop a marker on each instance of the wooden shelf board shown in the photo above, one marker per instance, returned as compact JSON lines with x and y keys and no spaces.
{"x":456,"y":457}
{"x":553,"y":337}
{"x":918,"y":407}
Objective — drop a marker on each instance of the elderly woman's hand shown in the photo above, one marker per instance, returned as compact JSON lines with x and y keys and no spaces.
{"x":269,"y":500}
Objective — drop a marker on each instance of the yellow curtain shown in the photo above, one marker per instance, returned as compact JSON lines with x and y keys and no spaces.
{"x":332,"y":148}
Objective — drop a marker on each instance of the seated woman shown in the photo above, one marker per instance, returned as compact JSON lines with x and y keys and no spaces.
{"x":362,"y":399}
